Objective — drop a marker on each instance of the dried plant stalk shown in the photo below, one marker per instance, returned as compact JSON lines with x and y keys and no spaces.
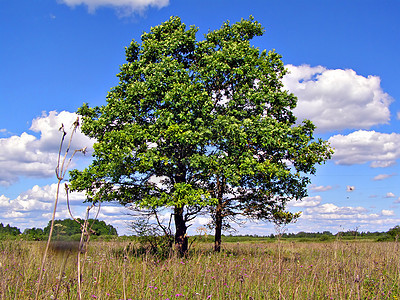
{"x":61,"y":170}
{"x":85,"y":237}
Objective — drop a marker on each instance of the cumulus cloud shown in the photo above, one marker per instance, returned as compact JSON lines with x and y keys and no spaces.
{"x":337,"y":99}
{"x":386,"y":212}
{"x":335,"y":211}
{"x":37,"y":199}
{"x":32,"y":156}
{"x":359,"y":147}
{"x":26,"y":202}
{"x":124,"y":6}
{"x":306,"y":202}
{"x":31,"y":208}
{"x":34,"y":208}
{"x":390,"y":195}
{"x":382,"y":176}
{"x":332,"y":217}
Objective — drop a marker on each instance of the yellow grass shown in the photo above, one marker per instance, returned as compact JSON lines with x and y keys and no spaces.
{"x":288,"y":270}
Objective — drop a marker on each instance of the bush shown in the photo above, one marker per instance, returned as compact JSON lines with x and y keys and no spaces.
{"x":324,"y":238}
{"x":384,"y":238}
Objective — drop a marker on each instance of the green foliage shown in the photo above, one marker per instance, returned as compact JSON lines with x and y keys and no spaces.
{"x":8,"y":231}
{"x":69,"y":227}
{"x":197,"y":124}
{"x":260,"y":158}
{"x":394,"y":232}
{"x":34,"y":234}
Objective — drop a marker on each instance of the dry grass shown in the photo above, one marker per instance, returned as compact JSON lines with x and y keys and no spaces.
{"x":335,"y":270}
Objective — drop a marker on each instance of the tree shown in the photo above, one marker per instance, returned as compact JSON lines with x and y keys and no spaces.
{"x":199,"y":124}
{"x":102,"y":228}
{"x":70,"y":227}
{"x":9,"y":230}
{"x":260,"y":157}
{"x":152,"y":129}
{"x":394,"y":232}
{"x":34,"y":234}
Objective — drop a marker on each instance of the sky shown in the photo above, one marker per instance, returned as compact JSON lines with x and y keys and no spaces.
{"x":342,"y":58}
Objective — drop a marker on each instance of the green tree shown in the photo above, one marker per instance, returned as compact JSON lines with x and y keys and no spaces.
{"x":394,"y":232}
{"x":153,"y":128}
{"x":9,"y":230}
{"x":261,"y":157}
{"x":199,"y":124}
{"x":70,"y":227}
{"x":101,"y":228}
{"x":34,"y":234}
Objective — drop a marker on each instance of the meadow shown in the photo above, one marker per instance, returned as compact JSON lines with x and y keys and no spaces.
{"x":337,"y":269}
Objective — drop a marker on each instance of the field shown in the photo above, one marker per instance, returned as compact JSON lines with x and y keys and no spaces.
{"x":262,"y":270}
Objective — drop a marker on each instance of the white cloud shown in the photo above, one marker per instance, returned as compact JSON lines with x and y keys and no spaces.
{"x":20,"y":156}
{"x":337,"y":99}
{"x":125,"y":7}
{"x":390,"y":195}
{"x":334,"y":218}
{"x":382,"y":176}
{"x":26,"y":210}
{"x":37,"y":199}
{"x":359,"y":147}
{"x":333,"y":210}
{"x":112,"y":210}
{"x":386,"y":212}
{"x":34,"y":208}
{"x":382,"y":164}
{"x":320,"y":188}
{"x":27,"y":155}
{"x":306,"y":202}
{"x":341,"y":218}
{"x":13,"y":214}
{"x":202,"y":221}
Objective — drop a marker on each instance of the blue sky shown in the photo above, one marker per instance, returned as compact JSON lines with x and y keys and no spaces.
{"x":343,"y":62}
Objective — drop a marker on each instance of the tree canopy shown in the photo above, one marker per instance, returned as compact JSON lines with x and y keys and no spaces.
{"x":70,"y":227}
{"x":200,"y":124}
{"x":9,"y":230}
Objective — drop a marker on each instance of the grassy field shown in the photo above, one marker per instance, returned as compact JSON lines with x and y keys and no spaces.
{"x":264,"y":270}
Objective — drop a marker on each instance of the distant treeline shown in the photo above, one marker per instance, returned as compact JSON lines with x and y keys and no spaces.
{"x":392,"y":234}
{"x":62,"y":229}
{"x":8,"y":230}
{"x":70,"y":228}
{"x":350,"y":233}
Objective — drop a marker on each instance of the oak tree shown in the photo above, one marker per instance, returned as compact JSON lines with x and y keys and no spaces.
{"x":200,"y":124}
{"x":261,"y":157}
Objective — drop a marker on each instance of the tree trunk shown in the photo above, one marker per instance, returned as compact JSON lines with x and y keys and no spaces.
{"x":219,"y":213}
{"x":181,"y":239}
{"x":218,"y":227}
